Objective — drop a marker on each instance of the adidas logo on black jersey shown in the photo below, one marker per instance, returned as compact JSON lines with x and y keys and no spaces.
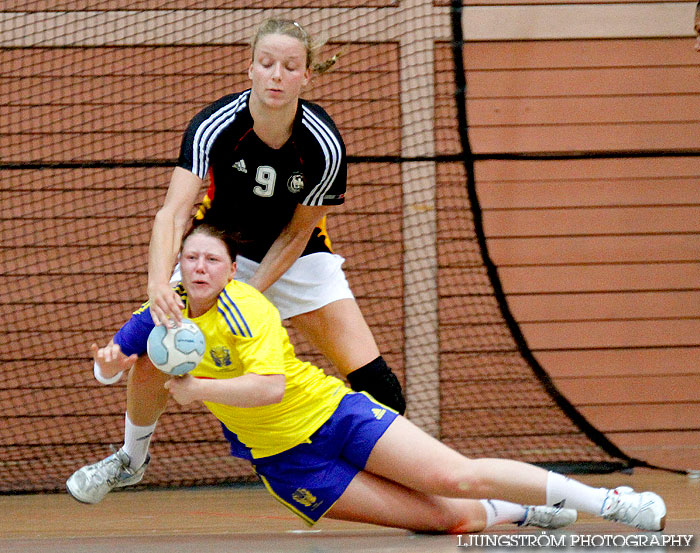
{"x":240,"y":166}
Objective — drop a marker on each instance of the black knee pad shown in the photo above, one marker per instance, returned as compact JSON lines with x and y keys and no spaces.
{"x":378,"y":380}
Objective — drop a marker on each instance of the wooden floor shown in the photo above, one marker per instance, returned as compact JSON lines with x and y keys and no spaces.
{"x":247,"y":519}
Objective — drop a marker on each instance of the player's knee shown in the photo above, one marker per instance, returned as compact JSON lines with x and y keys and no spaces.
{"x":458,"y":482}
{"x":467,"y":525}
{"x":457,"y":516}
{"x":144,"y":373}
{"x":377,"y":379}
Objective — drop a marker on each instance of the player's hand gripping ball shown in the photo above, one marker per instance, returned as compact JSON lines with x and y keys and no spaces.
{"x":176,"y":351}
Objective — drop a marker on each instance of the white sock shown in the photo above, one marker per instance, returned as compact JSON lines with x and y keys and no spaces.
{"x":136,"y":441}
{"x":565,"y":492}
{"x":500,"y":512}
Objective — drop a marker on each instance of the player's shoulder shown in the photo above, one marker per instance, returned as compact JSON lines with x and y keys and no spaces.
{"x":314,"y":108}
{"x":314,"y":116}
{"x":221,"y":111}
{"x":245,"y":292}
{"x":245,"y":310}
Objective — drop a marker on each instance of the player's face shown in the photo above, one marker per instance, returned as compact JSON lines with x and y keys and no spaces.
{"x":206,"y":269}
{"x":278,"y":71}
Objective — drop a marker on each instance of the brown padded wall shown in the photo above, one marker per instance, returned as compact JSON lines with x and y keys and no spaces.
{"x":598,"y":257}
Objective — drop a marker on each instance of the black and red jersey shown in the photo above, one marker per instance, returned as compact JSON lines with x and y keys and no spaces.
{"x":254,"y":189}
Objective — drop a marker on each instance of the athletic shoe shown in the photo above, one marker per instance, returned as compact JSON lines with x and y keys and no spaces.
{"x":92,"y":482}
{"x":645,"y":510}
{"x":543,"y":516}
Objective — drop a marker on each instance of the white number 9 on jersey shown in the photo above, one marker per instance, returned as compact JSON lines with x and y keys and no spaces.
{"x":265,"y":177}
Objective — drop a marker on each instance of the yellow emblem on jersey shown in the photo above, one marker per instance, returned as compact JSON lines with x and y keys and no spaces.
{"x":221,"y":356}
{"x":378,"y":413}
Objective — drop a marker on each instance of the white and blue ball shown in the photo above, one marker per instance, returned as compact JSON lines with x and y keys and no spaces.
{"x":176,"y":351}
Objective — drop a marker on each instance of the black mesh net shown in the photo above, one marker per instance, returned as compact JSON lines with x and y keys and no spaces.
{"x":94,"y":103}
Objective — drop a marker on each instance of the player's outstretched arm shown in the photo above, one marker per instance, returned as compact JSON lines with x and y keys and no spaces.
{"x":169,"y":225}
{"x":111,"y":361}
{"x":123,"y":349}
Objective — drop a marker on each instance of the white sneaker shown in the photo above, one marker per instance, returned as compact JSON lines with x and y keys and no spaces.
{"x":92,"y":482}
{"x":543,"y":516}
{"x":646,"y":510}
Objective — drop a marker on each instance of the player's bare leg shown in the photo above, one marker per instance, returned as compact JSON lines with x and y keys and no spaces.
{"x":407,"y":455}
{"x":348,"y":350}
{"x":428,"y":465}
{"x":374,"y":500}
{"x":353,"y":350}
{"x":146,"y":398}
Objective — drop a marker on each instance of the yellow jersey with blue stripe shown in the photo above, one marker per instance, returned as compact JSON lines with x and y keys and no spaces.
{"x":244,"y":334}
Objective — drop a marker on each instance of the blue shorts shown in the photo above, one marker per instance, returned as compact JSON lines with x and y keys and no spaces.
{"x":311,"y":477}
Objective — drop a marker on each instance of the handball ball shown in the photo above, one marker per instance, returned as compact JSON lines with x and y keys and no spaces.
{"x":178,"y":350}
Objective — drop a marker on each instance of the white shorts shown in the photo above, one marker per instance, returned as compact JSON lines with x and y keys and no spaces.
{"x":313,"y":281}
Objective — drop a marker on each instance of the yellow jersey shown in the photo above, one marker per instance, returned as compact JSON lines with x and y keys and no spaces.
{"x":244,"y":334}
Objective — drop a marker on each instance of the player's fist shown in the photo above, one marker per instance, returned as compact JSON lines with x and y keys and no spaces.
{"x":183,"y":389}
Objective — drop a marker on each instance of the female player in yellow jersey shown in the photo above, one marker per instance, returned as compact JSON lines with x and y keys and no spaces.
{"x":322,"y":449}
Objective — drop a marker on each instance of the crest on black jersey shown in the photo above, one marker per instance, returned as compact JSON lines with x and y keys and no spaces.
{"x":295,"y":183}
